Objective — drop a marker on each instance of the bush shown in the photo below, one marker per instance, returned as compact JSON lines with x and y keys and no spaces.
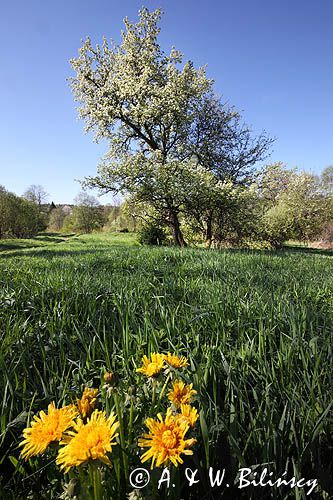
{"x":277,"y":225}
{"x":19,"y":218}
{"x":152,"y":234}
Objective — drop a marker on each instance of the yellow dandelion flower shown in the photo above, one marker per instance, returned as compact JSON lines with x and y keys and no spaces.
{"x":181,"y":393}
{"x":46,"y":428}
{"x":188,"y":415}
{"x":176,"y":361}
{"x":90,"y":441}
{"x":166,"y":440}
{"x":88,"y":401}
{"x":152,"y":367}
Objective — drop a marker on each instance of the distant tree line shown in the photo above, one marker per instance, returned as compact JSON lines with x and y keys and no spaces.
{"x":27,"y":215}
{"x":19,"y":216}
{"x":87,"y":215}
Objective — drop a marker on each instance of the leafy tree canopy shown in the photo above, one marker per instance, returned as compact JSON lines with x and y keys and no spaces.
{"x":170,"y":137}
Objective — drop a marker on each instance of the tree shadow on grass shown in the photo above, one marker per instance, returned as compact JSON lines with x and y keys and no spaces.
{"x":59,"y":235}
{"x":35,"y":242}
{"x":282,"y":252}
{"x":306,"y":250}
{"x":13,"y":246}
{"x":46,"y":253}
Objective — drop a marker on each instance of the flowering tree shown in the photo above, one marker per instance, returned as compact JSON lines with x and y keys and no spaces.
{"x":170,"y":139}
{"x":143,"y":102}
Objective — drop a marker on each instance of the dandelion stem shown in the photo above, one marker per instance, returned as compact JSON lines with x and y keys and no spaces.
{"x":153,"y":399}
{"x":121,"y":432}
{"x":164,"y":387}
{"x":95,"y":479}
{"x":130,"y":423}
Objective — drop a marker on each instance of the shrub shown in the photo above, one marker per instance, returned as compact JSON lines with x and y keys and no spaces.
{"x":277,"y":225}
{"x":152,"y":234}
{"x":19,"y":218}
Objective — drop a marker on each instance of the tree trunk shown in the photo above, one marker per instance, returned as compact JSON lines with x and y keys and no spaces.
{"x":178,"y":237}
{"x":209,"y":233}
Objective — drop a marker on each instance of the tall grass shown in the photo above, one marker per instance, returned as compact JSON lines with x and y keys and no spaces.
{"x":256,"y":327}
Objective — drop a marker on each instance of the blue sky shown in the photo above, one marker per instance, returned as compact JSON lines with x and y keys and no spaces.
{"x":272,"y":59}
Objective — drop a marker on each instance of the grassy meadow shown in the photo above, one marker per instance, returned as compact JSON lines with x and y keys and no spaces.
{"x":256,"y":327}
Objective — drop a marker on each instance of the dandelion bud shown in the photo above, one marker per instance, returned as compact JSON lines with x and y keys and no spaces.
{"x":111,"y":378}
